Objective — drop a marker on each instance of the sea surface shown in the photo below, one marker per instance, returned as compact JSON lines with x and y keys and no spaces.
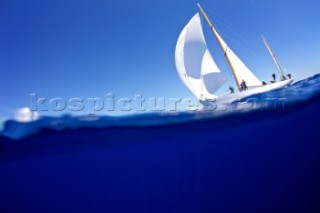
{"x":260,"y":154}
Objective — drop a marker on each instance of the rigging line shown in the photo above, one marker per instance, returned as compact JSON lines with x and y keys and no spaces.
{"x":235,"y":41}
{"x":248,"y":50}
{"x":245,"y":43}
{"x":243,"y":48}
{"x":228,"y":24}
{"x":240,"y":44}
{"x":223,"y":21}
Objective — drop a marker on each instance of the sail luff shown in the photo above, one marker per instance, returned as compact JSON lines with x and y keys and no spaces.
{"x":224,"y":49}
{"x":194,"y":63}
{"x":272,"y":55}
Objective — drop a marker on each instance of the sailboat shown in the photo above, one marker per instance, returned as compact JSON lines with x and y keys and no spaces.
{"x":200,"y":73}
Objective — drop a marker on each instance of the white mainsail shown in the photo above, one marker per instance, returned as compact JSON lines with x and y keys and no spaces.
{"x":241,"y":71}
{"x":194,"y":63}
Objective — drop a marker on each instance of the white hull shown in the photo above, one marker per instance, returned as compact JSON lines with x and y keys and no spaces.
{"x":240,"y":95}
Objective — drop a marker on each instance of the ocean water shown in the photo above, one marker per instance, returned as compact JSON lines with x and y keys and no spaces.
{"x":262,"y":154}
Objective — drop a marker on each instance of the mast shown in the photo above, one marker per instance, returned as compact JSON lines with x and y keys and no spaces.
{"x":273,"y":55}
{"x":221,"y":45}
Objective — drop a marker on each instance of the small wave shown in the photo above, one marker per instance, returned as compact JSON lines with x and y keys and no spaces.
{"x":298,"y":93}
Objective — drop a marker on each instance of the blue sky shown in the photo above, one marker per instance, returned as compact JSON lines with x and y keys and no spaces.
{"x":59,"y":48}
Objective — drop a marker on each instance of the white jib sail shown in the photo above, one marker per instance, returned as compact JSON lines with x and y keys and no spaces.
{"x":194,"y":63}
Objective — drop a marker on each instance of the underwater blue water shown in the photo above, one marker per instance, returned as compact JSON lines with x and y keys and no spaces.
{"x":264,"y":158}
